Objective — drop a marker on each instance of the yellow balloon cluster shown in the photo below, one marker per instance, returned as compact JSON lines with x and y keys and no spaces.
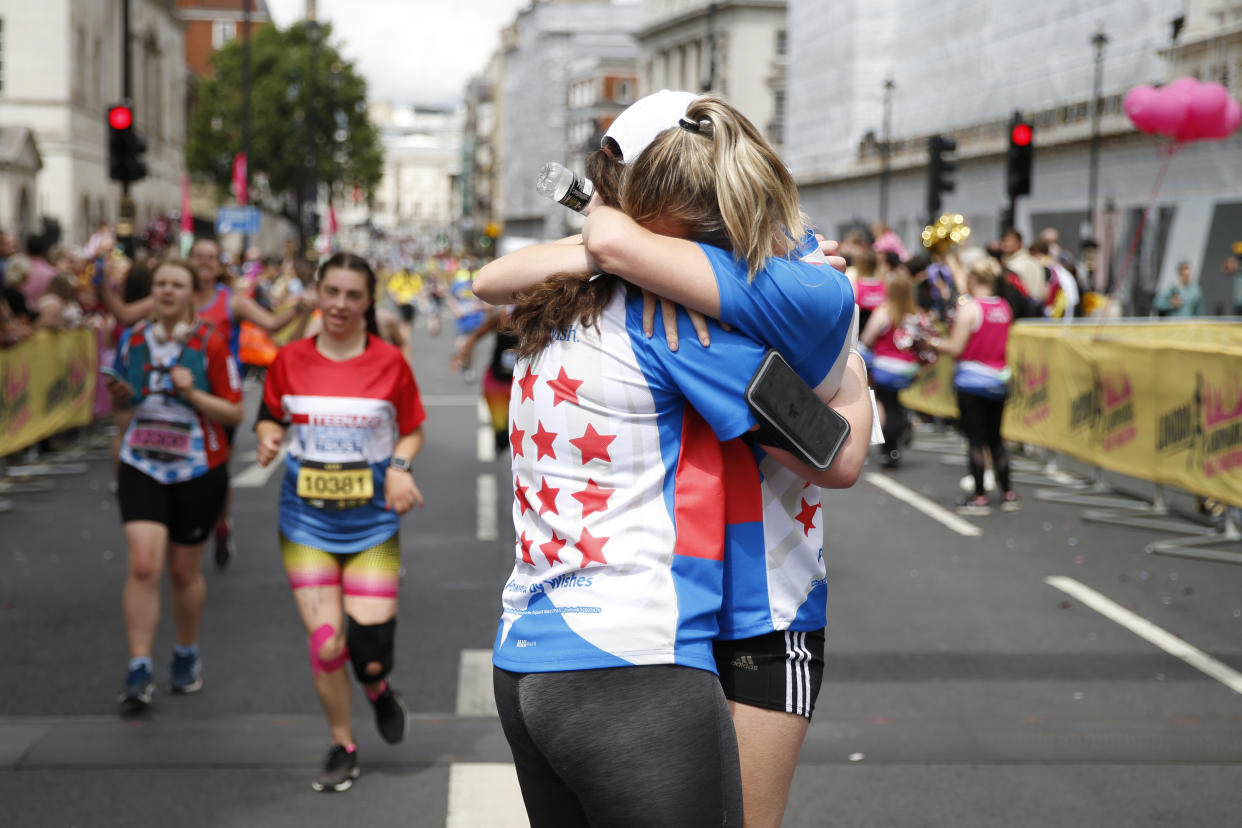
{"x":948,"y":230}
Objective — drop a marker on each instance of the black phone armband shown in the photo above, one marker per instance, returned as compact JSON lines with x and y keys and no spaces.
{"x":791,"y":417}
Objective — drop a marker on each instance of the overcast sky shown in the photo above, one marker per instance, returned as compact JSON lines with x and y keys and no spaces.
{"x":411,"y":51}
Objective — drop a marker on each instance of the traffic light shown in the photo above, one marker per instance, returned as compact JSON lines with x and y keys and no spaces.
{"x":125,"y":146}
{"x":940,"y":168}
{"x":1020,"y":158}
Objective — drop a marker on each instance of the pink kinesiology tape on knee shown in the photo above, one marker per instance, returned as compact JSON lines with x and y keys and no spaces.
{"x":318,"y":638}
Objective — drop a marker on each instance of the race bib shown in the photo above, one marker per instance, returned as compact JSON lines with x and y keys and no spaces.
{"x":160,"y":440}
{"x":335,"y":485}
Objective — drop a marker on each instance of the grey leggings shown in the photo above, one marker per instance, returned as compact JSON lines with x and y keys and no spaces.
{"x":625,"y":746}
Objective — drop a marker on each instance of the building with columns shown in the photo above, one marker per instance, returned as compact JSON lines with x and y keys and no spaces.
{"x":732,"y":48}
{"x":60,"y":70}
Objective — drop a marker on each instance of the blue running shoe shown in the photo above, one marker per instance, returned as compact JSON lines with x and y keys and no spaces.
{"x":187,"y":673}
{"x":136,"y":697}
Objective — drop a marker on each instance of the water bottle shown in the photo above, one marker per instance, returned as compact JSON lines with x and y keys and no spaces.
{"x":564,"y":186}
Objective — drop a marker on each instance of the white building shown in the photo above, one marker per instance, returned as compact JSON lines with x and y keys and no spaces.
{"x":60,"y":68}
{"x":539,"y":48}
{"x":414,"y":200}
{"x":965,"y":69}
{"x":732,"y":48}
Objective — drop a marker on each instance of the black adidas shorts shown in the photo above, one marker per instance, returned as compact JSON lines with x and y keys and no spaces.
{"x":781,"y":670}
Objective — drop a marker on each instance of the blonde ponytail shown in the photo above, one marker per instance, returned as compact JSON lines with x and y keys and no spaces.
{"x":717,"y":176}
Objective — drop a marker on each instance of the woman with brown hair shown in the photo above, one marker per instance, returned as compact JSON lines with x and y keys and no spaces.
{"x":173,"y":474}
{"x":894,"y":363}
{"x":351,"y":406}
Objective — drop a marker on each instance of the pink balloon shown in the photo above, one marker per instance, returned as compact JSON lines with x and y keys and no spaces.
{"x":1226,"y":124}
{"x":1207,"y":104}
{"x":1137,"y":104}
{"x":1168,"y":109}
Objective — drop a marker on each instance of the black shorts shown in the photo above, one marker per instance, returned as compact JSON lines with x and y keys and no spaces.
{"x":780,"y":670}
{"x":407,"y":312}
{"x":189,"y":509}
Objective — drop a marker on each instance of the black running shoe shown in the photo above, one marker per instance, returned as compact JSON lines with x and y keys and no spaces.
{"x":136,"y":697}
{"x":225,"y":550}
{"x":391,"y":717}
{"x":340,"y":769}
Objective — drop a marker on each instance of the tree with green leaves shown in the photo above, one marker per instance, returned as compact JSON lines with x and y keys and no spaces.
{"x":308,"y":116}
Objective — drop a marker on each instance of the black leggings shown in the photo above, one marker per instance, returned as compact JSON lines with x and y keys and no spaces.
{"x":981,"y":423}
{"x":626,"y":746}
{"x":895,"y":418}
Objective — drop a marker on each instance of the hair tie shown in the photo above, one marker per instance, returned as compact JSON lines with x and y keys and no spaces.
{"x":693,"y":126}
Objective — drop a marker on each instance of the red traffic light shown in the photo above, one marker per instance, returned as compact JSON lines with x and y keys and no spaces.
{"x":1020,"y":135}
{"x":120,"y":117}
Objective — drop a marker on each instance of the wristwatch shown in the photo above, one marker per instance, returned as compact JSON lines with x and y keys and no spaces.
{"x":399,"y":463}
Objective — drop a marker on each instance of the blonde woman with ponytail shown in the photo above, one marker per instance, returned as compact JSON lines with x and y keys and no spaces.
{"x":709,"y":219}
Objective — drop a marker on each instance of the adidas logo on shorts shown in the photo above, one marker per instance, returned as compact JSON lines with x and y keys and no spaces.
{"x":745,"y":663}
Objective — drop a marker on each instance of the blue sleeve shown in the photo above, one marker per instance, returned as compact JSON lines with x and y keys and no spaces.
{"x":803,"y":310}
{"x":712,"y":379}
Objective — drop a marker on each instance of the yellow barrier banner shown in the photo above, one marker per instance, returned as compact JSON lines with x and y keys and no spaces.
{"x":1197,"y":440}
{"x":932,"y":392}
{"x":47,"y":384}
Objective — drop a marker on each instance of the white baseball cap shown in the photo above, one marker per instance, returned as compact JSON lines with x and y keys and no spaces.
{"x":636,"y":127}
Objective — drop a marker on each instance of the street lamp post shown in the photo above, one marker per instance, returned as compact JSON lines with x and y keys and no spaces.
{"x":1099,"y":40}
{"x":886,"y":148}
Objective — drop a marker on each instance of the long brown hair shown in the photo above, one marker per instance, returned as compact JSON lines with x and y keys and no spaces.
{"x":900,"y":300}
{"x":717,"y":174}
{"x":565,"y":299}
{"x":351,"y":261}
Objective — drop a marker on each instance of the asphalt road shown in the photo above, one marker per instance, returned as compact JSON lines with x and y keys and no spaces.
{"x":962,"y":688}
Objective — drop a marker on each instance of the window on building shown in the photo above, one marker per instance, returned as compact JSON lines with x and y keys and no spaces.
{"x":776,"y":129}
{"x":222,"y":31}
{"x":782,"y":43}
{"x":623,"y":92}
{"x":79,"y":64}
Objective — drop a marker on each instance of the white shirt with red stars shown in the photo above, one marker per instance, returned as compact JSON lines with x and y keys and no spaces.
{"x":618,"y":495}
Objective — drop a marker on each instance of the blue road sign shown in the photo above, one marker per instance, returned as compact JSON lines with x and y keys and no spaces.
{"x":244,"y":220}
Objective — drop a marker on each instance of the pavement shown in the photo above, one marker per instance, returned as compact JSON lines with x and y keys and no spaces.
{"x":964,"y":685}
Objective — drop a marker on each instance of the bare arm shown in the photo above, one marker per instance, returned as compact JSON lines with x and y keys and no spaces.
{"x":676,"y":269}
{"x":244,"y":307}
{"x":500,"y":279}
{"x":401,"y":493}
{"x":217,"y":408}
{"x":960,"y":334}
{"x":853,"y":402}
{"x":875,"y":323}
{"x":270,"y":435}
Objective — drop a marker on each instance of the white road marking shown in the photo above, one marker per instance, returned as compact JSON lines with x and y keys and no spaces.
{"x":487,"y":440}
{"x":927,"y":507}
{"x":485,"y":794}
{"x":1148,"y":631}
{"x":485,"y":496}
{"x":255,"y":476}
{"x":475,"y":696}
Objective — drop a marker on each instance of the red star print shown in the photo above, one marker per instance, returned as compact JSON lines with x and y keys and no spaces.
{"x":807,"y":517}
{"x":551,"y":550}
{"x":519,"y":491}
{"x":592,"y":549}
{"x":525,"y":542}
{"x":515,"y":439}
{"x":593,"y":498}
{"x":593,"y":445}
{"x":566,"y":389}
{"x":528,"y":386}
{"x":543,"y":443}
{"x":547,"y":498}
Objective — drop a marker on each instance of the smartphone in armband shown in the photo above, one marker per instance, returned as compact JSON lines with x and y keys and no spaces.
{"x":791,"y":417}
{"x":111,"y":373}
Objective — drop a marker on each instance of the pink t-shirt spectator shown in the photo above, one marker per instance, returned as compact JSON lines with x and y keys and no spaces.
{"x":41,"y":275}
